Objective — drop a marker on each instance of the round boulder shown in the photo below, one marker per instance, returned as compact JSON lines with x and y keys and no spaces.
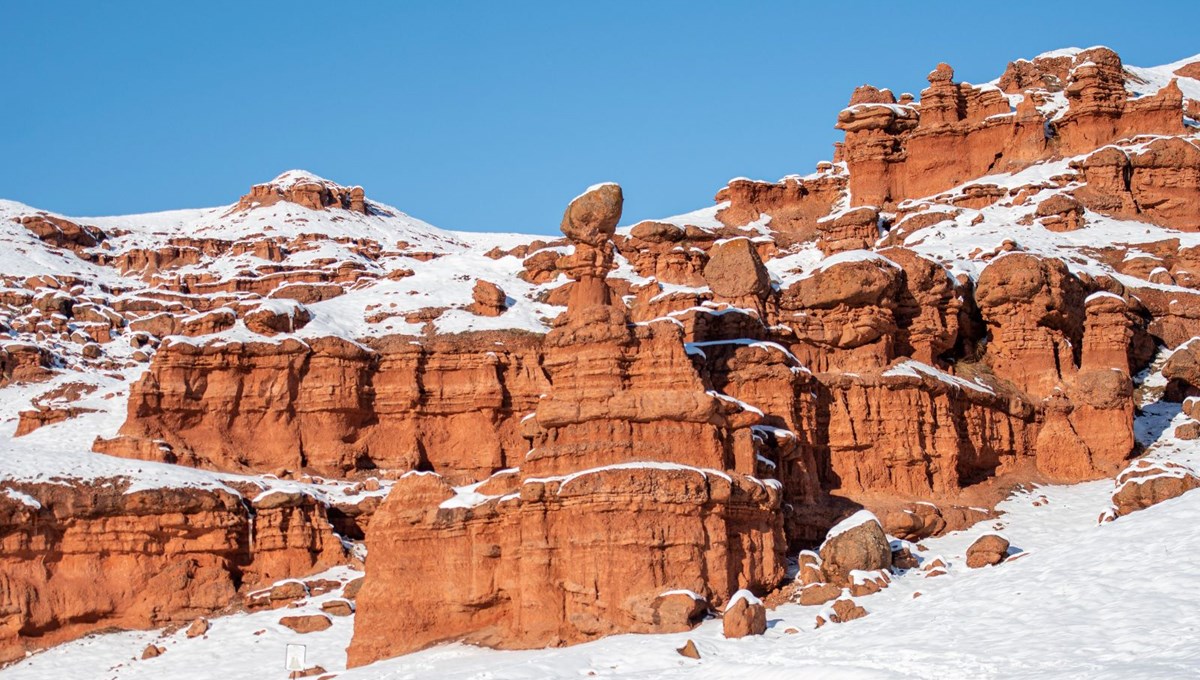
{"x":592,"y":217}
{"x":855,"y":543}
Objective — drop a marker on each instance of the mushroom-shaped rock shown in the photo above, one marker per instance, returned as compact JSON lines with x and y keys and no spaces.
{"x":592,"y":217}
{"x":1145,"y":483}
{"x":987,"y":550}
{"x":855,"y":543}
{"x":744,"y":615}
{"x":489,"y":299}
{"x":735,"y":270}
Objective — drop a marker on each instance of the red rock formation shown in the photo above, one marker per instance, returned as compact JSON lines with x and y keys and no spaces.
{"x":794,"y":204}
{"x":305,"y":190}
{"x":81,"y":558}
{"x":1160,"y":184}
{"x":843,"y":314}
{"x":332,"y":406}
{"x":959,"y":132}
{"x":855,"y":229}
{"x":628,"y":444}
{"x":1145,"y":483}
{"x":488,"y":299}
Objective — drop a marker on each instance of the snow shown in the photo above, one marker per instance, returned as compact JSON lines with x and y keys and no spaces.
{"x":564,"y":480}
{"x":917,"y":369}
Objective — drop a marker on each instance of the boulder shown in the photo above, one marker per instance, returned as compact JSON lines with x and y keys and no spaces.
{"x":689,"y":650}
{"x":987,"y":550}
{"x":855,"y":543}
{"x":841,"y":611}
{"x":592,"y":216}
{"x":198,"y":628}
{"x":744,"y":615}
{"x":488,"y":299}
{"x":735,"y":270}
{"x":152,"y":651}
{"x":1145,"y":483}
{"x":306,"y":623}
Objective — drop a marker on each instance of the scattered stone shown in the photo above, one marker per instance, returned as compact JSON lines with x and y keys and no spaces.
{"x":199,"y":627}
{"x":338,"y":607}
{"x":689,"y":650}
{"x":306,"y":623}
{"x":151,"y":651}
{"x":818,"y":593}
{"x":987,"y":550}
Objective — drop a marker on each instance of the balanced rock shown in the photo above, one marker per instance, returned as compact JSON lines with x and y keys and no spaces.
{"x":592,"y":216}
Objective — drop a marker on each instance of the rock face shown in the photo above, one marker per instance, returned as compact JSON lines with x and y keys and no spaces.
{"x":959,"y":132}
{"x":314,"y":193}
{"x":82,"y":558}
{"x":332,"y":406}
{"x":606,"y":466}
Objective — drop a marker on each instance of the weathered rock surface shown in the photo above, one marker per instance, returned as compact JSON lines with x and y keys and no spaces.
{"x":1145,"y":483}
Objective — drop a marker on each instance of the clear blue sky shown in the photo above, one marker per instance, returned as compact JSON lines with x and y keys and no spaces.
{"x":484,"y":115}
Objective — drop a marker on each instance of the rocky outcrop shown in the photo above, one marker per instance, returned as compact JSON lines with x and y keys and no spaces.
{"x":958,"y":132}
{"x":627,"y":445}
{"x":79,"y":558}
{"x":333,"y":407}
{"x":304,"y":190}
{"x":1145,"y":483}
{"x":794,"y":204}
{"x":1160,"y":184}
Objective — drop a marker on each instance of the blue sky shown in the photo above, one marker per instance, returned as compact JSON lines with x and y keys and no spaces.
{"x":484,"y":115}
